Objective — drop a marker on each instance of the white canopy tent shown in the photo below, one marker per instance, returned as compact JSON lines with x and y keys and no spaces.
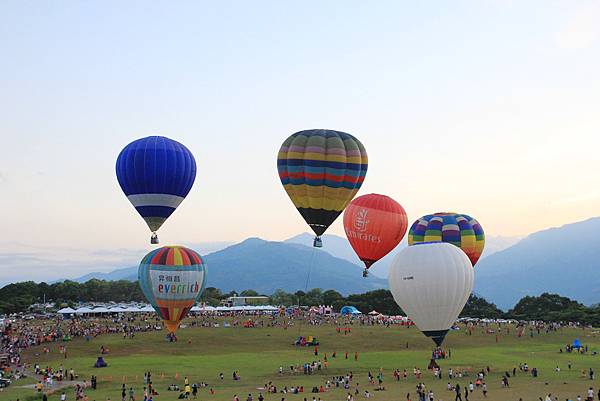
{"x":86,"y":310}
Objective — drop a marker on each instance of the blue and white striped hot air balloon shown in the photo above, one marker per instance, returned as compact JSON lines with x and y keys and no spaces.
{"x":155,"y":173}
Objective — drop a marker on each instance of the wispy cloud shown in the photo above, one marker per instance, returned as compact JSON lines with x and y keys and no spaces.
{"x":582,"y":29}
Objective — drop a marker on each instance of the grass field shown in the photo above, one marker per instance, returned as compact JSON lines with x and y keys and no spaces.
{"x":257,"y":354}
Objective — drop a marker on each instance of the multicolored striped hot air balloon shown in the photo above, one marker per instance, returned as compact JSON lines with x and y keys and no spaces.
{"x":374,"y":225}
{"x":457,"y":229}
{"x":155,"y":173}
{"x":321,"y":171}
{"x":172,"y":278}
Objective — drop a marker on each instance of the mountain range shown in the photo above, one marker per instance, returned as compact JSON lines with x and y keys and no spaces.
{"x":265,"y":266}
{"x":563,"y":260}
{"x":340,"y":248}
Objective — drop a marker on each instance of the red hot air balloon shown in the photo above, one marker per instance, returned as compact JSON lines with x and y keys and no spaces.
{"x":374,"y":225}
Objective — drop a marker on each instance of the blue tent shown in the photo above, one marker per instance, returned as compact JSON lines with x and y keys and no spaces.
{"x":576,"y":343}
{"x":350,"y":310}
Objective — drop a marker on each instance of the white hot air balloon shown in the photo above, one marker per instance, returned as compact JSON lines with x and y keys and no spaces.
{"x":431,"y":282}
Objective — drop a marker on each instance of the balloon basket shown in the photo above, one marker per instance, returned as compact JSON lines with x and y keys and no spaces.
{"x":433,"y":365}
{"x":154,"y":239}
{"x":318,"y":243}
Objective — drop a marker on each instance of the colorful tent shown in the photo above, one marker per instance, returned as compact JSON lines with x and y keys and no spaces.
{"x":350,"y":310}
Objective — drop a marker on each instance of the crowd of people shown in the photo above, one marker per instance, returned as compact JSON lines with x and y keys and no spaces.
{"x":55,"y":333}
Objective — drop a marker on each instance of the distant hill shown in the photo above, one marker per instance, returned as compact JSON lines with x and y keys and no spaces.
{"x":128,"y":272}
{"x":265,"y":266}
{"x":119,"y":274}
{"x":334,"y":245}
{"x":563,"y":260}
{"x":340,"y":248}
{"x":497,"y":243}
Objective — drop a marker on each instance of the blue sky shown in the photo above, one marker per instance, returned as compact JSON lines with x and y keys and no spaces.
{"x":487,"y":108}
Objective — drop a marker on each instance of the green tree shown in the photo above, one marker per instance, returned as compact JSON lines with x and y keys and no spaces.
{"x":331,"y":296}
{"x":280,"y":297}
{"x":547,"y":306}
{"x":478,"y":307}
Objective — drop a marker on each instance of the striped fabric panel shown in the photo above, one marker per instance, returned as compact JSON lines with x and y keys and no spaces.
{"x":322,"y":169}
{"x":172,"y":256}
{"x":323,"y":197}
{"x":458,"y":229}
{"x":156,"y":165}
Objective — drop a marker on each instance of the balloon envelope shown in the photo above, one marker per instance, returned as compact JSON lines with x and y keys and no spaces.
{"x":431,"y":282}
{"x":172,"y":278}
{"x":457,"y":229}
{"x":321,"y":171}
{"x":155,"y":173}
{"x":374,"y":225}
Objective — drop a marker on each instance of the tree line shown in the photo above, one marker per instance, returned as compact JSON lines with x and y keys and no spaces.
{"x":18,"y":297}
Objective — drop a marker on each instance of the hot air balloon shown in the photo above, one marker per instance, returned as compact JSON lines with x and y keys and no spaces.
{"x":172,"y":278}
{"x":374,"y":225}
{"x":431,"y":282}
{"x":155,"y":173}
{"x":321,"y":171}
{"x":457,"y":229}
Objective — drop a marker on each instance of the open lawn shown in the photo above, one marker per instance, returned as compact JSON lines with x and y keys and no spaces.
{"x":202,"y":353}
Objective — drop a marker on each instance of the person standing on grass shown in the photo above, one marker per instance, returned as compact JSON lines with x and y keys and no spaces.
{"x":458,"y":394}
{"x":590,"y":396}
{"x":484,"y":389}
{"x":131,"y":394}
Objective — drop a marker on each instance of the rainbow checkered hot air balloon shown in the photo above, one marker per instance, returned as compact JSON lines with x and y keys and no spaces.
{"x":321,"y":171}
{"x":172,"y":279}
{"x":457,"y":229}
